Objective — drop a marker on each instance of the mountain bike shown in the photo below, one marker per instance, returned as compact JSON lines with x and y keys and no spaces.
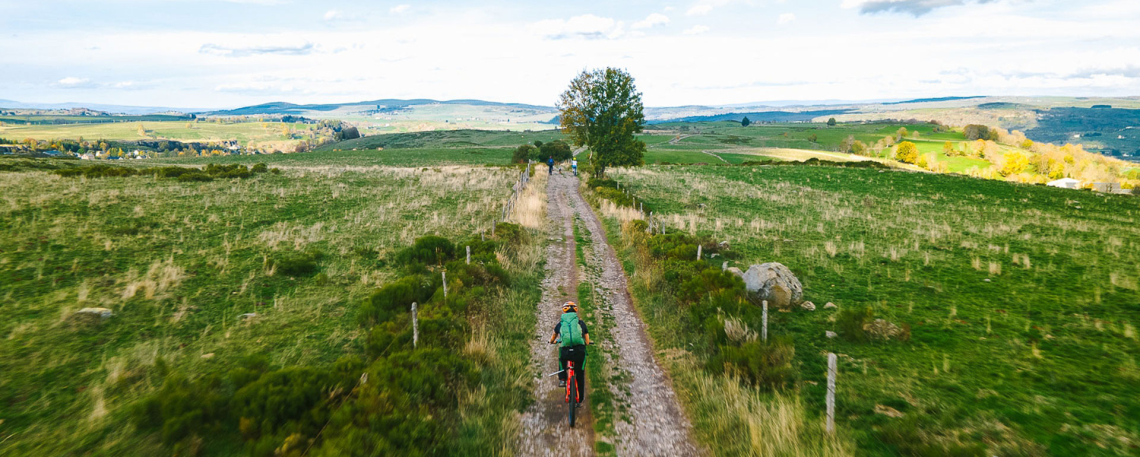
{"x":573,"y":391}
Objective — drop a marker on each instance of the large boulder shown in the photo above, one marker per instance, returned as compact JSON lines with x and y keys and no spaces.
{"x":775,"y":283}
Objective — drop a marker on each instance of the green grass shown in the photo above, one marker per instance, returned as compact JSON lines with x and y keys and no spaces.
{"x":180,"y":263}
{"x":412,"y":157}
{"x":735,"y":143}
{"x":1022,"y":301}
{"x":201,"y":131}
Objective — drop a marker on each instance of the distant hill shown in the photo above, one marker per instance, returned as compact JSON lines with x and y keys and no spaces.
{"x":759,"y":116}
{"x":386,"y":104}
{"x":114,"y":109}
{"x":938,"y":99}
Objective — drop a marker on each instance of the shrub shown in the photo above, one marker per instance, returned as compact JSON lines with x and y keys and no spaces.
{"x":508,"y":232}
{"x":195,"y":176}
{"x":275,"y":171}
{"x":173,"y":172}
{"x":765,"y":365}
{"x":429,"y":249}
{"x":395,"y":297}
{"x":259,"y":168}
{"x":227,"y":171}
{"x":296,"y":263}
{"x":523,"y":153}
{"x":850,"y":322}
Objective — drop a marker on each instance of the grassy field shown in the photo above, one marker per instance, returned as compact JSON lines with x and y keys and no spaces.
{"x":1020,"y":302}
{"x":200,"y":131}
{"x":411,"y":157}
{"x":703,"y":142}
{"x":199,"y":280}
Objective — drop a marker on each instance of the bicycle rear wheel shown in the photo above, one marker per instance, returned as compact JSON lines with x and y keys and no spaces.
{"x":573,"y":386}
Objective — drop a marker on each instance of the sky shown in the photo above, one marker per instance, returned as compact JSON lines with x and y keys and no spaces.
{"x":230,"y":53}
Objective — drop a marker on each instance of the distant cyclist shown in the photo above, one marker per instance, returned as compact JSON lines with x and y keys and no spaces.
{"x":550,"y":163}
{"x":574,"y":165}
{"x":574,"y":337}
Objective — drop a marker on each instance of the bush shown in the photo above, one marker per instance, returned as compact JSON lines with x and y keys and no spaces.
{"x":850,"y":321}
{"x":523,"y":153}
{"x":429,"y":249}
{"x":765,"y":365}
{"x":259,"y":168}
{"x":195,"y":176}
{"x":296,"y":263}
{"x":227,"y":171}
{"x":557,"y":149}
{"x":395,"y":297}
{"x":508,"y":232}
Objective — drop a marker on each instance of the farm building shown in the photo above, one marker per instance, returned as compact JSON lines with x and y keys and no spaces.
{"x":1107,"y":187}
{"x":1067,"y":183}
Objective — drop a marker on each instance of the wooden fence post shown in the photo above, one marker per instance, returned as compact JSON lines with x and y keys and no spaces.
{"x":832,"y":361}
{"x":764,"y":320}
{"x":469,"y":255}
{"x":699,"y":251}
{"x":445,"y":285}
{"x":415,"y":327}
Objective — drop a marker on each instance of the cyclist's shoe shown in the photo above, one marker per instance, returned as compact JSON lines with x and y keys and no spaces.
{"x":561,"y":383}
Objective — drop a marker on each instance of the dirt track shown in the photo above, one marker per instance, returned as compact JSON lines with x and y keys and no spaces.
{"x":654,"y":424}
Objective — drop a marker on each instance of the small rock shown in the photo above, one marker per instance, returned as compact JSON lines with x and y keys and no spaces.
{"x":248,"y":315}
{"x":102,"y":313}
{"x":831,"y":334}
{"x":723,"y":244}
{"x":882,"y":329}
{"x":208,"y":356}
{"x":986,"y":280}
{"x":829,"y":305}
{"x":808,"y":306}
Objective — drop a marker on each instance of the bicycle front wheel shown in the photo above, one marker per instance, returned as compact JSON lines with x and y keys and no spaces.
{"x":573,"y":400}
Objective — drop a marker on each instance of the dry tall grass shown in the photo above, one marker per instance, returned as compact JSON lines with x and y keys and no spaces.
{"x":744,"y":422}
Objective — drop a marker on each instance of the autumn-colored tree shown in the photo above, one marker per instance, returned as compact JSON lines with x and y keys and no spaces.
{"x":858,"y":148}
{"x":948,"y":149}
{"x":907,"y":152}
{"x":602,"y":110}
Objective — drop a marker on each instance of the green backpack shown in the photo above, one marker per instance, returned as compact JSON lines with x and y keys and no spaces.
{"x":570,"y":331}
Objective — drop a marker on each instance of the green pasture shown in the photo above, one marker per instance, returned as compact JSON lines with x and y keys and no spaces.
{"x":1017,"y":304}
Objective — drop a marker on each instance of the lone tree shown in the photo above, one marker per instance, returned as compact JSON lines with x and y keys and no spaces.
{"x":907,"y":152}
{"x":745,"y":122}
{"x":831,"y":122}
{"x":602,"y":110}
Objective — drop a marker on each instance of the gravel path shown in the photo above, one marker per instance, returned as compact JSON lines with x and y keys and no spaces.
{"x":654,"y":424}
{"x":545,"y":431}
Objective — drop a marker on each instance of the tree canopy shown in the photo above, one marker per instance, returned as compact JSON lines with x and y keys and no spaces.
{"x":745,"y":122}
{"x":602,"y":110}
{"x":907,"y":152}
{"x":831,"y":122}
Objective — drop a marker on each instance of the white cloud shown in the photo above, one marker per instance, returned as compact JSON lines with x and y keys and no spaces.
{"x":399,"y":9}
{"x":585,"y":26}
{"x":650,"y":21}
{"x":72,"y":81}
{"x":699,"y":10}
{"x":332,"y":14}
{"x":785,"y":18}
{"x":696,"y":30}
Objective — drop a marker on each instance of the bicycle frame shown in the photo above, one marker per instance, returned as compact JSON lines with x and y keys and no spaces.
{"x":572,"y":378}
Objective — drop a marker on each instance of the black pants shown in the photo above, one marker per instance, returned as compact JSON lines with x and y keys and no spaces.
{"x":576,"y":354}
{"x":551,"y":170}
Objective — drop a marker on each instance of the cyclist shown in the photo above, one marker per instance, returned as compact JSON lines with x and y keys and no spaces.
{"x":550,"y":163}
{"x":574,"y":337}
{"x":574,"y":165}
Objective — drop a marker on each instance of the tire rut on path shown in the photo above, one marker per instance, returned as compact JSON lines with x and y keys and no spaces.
{"x":654,"y":423}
